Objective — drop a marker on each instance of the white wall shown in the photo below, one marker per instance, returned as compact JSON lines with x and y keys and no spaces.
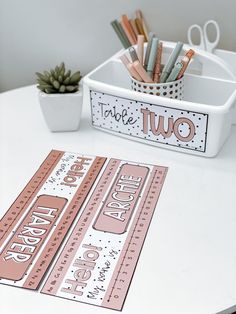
{"x":38,"y":34}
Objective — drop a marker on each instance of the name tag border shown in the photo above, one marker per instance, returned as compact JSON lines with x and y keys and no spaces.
{"x":145,"y":137}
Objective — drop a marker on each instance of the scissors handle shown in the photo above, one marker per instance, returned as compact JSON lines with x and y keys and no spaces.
{"x":210,"y":45}
{"x":202,"y":44}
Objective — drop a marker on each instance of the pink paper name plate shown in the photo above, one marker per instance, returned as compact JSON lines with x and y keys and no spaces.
{"x":77,"y":229}
{"x":198,"y":122}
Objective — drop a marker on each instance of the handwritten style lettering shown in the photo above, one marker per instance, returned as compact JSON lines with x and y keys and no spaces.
{"x":117,"y":116}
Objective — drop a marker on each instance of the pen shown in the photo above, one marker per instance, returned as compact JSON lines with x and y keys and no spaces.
{"x":140,"y":48}
{"x":152,"y":56}
{"x":157,"y":69}
{"x":185,"y":61}
{"x":129,"y":66}
{"x":148,"y":49}
{"x":141,"y":71}
{"x":171,"y":61}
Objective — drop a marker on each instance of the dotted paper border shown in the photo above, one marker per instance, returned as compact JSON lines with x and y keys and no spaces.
{"x":95,"y":96}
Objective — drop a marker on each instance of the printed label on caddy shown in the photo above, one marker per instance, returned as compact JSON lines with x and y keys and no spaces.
{"x":97,"y":210}
{"x":155,"y":123}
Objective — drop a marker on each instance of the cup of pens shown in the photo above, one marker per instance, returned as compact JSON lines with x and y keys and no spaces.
{"x":147,"y":73}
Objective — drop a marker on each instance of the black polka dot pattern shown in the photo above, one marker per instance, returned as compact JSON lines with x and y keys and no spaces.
{"x":154,"y":123}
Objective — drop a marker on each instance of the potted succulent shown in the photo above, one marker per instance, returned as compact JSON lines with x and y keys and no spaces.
{"x":60,"y":98}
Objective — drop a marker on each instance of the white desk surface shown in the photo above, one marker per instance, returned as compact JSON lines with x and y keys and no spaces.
{"x":188,"y":262}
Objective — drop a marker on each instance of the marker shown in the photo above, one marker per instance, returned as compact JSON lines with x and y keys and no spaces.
{"x":152,"y":56}
{"x":141,"y":71}
{"x":185,"y":61}
{"x":123,"y":40}
{"x":175,"y":72}
{"x":138,"y":23}
{"x":148,"y":49}
{"x":140,"y":48}
{"x":157,"y":69}
{"x":171,"y":61}
{"x":129,"y":66}
{"x":128,"y":29}
{"x":125,"y":29}
{"x":144,"y":26}
{"x":133,"y":54}
{"x":123,"y":33}
{"x":134,"y":27}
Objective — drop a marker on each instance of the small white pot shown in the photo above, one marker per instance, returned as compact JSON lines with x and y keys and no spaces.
{"x":62,"y":112}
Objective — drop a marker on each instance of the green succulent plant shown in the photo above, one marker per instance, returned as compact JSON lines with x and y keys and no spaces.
{"x":58,"y":80}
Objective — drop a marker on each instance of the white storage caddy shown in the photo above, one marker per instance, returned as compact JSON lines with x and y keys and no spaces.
{"x":198,"y":125}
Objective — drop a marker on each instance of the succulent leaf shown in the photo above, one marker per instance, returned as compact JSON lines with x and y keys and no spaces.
{"x":45,"y":86}
{"x":66,"y":81}
{"x":75,"y":78}
{"x":46,"y":73}
{"x":41,"y":77}
{"x":62,"y":72}
{"x":70,"y":88}
{"x":58,"y":80}
{"x":62,"y":89}
{"x":50,"y":90}
{"x":56,"y":84}
{"x":68,"y":73}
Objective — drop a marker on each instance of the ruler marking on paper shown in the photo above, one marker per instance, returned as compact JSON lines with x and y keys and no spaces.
{"x":46,"y":206}
{"x":33,"y":232}
{"x":110,"y":204}
{"x":19,"y":206}
{"x":119,"y":285}
{"x":81,"y":279}
{"x":76,"y":237}
{"x":60,"y":232}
